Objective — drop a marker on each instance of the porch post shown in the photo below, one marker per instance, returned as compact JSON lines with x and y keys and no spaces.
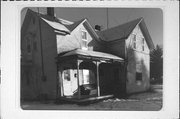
{"x":79,"y":91}
{"x":97,"y":71}
{"x":61,"y":75}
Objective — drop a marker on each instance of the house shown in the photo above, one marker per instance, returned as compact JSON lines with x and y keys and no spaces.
{"x":72,"y":61}
{"x":132,"y":42}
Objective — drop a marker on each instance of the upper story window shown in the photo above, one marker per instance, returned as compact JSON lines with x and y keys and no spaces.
{"x":84,"y":35}
{"x":138,"y":42}
{"x":134,"y":41}
{"x":84,"y":40}
{"x":31,"y":44}
{"x":139,"y":70}
{"x":143,"y":44}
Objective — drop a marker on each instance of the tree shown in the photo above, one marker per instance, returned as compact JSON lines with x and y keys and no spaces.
{"x":156,"y":65}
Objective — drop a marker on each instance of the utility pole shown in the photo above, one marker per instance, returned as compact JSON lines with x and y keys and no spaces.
{"x":107,"y":18}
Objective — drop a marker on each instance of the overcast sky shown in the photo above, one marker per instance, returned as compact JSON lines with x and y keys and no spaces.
{"x":153,"y":18}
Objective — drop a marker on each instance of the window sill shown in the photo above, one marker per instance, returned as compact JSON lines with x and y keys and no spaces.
{"x":138,"y":83}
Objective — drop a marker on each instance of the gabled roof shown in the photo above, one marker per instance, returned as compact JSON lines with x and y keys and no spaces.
{"x":55,"y":23}
{"x":65,"y":22}
{"x":123,"y":31}
{"x":86,"y":24}
{"x":146,"y":35}
{"x":74,"y":25}
{"x":27,"y":19}
{"x":56,"y":26}
{"x":60,"y":25}
{"x":119,"y":32}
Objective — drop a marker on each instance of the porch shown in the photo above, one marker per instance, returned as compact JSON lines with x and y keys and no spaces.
{"x":88,"y":75}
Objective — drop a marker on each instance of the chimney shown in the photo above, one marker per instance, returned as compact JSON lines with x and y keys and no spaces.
{"x":50,"y":11}
{"x":97,"y":27}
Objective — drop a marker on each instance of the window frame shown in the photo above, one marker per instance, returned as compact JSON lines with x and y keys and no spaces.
{"x":84,"y":40}
{"x":139,"y":76}
{"x":143,"y":44}
{"x":83,"y":31}
{"x":134,"y":41}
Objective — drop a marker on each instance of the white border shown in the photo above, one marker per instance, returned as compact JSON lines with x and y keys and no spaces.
{"x":10,"y":62}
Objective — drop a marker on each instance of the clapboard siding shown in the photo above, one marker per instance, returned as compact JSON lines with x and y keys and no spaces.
{"x":138,"y":61}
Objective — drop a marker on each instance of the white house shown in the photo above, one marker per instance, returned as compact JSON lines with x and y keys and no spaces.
{"x":72,"y":61}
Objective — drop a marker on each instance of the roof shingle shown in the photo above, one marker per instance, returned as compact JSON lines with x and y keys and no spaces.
{"x":119,"y":32}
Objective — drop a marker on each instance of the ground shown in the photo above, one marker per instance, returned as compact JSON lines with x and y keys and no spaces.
{"x":147,"y":101}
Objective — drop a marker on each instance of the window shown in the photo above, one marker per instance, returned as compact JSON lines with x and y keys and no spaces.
{"x":84,"y":40}
{"x":142,"y":44}
{"x":138,"y":76}
{"x":139,"y":69}
{"x":134,"y":41}
{"x":86,"y":80}
{"x":84,"y":35}
{"x":28,"y":45}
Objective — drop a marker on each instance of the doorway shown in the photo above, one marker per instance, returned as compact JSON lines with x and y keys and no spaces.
{"x":111,"y":78}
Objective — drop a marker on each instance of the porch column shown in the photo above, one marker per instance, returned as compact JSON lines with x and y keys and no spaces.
{"x":97,"y":72}
{"x":60,"y":78}
{"x":79,"y":91}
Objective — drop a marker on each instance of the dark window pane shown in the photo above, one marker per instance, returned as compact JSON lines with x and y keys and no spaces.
{"x":134,"y":41}
{"x":138,"y":76}
{"x":143,"y":44}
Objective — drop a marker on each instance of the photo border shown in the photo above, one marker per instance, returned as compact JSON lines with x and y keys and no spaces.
{"x":10,"y":60}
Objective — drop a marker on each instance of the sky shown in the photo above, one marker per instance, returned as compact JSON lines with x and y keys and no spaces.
{"x":98,"y":16}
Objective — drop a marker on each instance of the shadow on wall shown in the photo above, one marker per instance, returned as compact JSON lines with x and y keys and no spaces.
{"x":138,"y":79}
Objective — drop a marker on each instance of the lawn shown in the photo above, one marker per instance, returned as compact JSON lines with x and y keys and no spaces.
{"x":147,"y":101}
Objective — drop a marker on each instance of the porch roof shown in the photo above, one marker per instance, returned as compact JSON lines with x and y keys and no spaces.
{"x":92,"y":54}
